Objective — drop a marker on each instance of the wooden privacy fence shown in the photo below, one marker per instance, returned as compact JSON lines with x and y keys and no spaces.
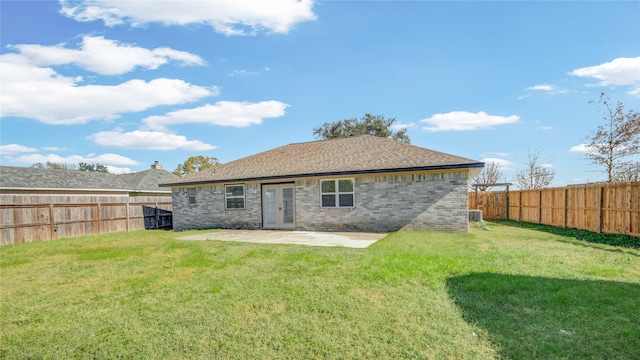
{"x":31,"y":218}
{"x":605,"y":208}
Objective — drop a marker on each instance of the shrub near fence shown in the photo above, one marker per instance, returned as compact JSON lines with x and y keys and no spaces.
{"x":605,"y":208}
{"x":31,"y":218}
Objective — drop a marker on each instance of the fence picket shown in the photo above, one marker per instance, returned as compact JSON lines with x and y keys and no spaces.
{"x":30,"y":218}
{"x":608,"y":208}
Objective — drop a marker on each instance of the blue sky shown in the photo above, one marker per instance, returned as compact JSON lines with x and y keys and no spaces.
{"x":126,"y":83}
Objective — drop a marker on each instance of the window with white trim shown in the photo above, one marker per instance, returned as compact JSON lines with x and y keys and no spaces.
{"x":191,"y":192}
{"x":337,"y":193}
{"x":234,"y":197}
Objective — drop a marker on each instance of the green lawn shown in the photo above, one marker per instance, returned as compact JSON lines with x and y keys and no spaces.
{"x":510,"y":292}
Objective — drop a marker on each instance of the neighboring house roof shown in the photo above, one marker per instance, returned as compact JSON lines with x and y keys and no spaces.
{"x":49,"y":179}
{"x":354,"y":155}
{"x":149,"y":180}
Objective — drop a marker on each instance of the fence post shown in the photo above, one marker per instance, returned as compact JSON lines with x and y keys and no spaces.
{"x":52,"y":224}
{"x":520,"y":205}
{"x":128,"y":216}
{"x":600,"y":209}
{"x":157,"y":211}
{"x":507,"y":202}
{"x":539,"y":206}
{"x":99,"y":222}
{"x":566,"y":206}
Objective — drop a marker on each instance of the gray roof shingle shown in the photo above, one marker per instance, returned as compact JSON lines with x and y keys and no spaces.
{"x":353,"y":155}
{"x":32,"y":178}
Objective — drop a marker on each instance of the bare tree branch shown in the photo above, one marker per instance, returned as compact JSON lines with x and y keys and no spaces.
{"x":618,"y":137}
{"x":490,"y":174}
{"x":534,"y":176}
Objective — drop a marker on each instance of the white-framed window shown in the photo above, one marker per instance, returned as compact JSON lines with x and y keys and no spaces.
{"x":234,"y":197}
{"x":337,"y":193}
{"x":191,"y":193}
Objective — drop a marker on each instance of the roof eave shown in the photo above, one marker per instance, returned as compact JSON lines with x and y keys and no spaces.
{"x":331,"y":173}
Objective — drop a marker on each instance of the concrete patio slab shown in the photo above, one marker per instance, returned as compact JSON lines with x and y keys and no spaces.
{"x":311,"y":238}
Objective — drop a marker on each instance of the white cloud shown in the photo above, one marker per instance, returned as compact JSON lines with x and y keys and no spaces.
{"x":148,"y":140}
{"x":582,"y":149}
{"x":546,"y":128}
{"x":241,"y":73}
{"x":402,"y":126}
{"x":586,"y":149}
{"x":635,"y":92}
{"x":548,"y":88}
{"x":54,"y":148}
{"x":32,"y":89}
{"x":545,"y":87}
{"x":620,"y":71}
{"x":100,"y":55}
{"x":104,"y":159}
{"x":42,"y":94}
{"x":118,"y":170}
{"x":502,"y":163}
{"x":11,"y":149}
{"x":464,"y":121}
{"x":222,"y":113}
{"x":496,"y":153}
{"x":230,"y":17}
{"x":548,"y":166}
{"x":244,"y":72}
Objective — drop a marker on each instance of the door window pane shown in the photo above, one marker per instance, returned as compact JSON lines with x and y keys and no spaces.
{"x":270,"y":203}
{"x":287,"y":205}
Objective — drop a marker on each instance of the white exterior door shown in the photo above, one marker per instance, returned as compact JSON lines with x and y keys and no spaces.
{"x":278,"y":210}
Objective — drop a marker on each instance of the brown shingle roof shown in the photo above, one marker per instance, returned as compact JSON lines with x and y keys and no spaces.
{"x":353,"y":155}
{"x":33,"y":178}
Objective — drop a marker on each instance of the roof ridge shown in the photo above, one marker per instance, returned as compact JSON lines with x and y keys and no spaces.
{"x":137,"y":184}
{"x":333,"y":139}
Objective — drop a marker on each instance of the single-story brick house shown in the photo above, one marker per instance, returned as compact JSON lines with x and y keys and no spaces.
{"x":360,"y":183}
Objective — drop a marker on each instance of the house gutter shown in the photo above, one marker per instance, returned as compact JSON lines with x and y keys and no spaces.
{"x":332,"y":173}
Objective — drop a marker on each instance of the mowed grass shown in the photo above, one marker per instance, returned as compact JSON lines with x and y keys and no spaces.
{"x":505,"y":293}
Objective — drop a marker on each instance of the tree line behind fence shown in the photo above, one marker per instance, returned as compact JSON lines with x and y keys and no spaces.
{"x":606,"y":208}
{"x":31,"y":218}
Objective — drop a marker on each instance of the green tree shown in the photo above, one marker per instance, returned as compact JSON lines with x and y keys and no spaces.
{"x":92,"y":167}
{"x":375,"y":125}
{"x":195,"y":164}
{"x":617,"y":138}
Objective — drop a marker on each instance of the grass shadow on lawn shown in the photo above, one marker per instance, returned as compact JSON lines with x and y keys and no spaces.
{"x":587,"y":236}
{"x":544,"y":318}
